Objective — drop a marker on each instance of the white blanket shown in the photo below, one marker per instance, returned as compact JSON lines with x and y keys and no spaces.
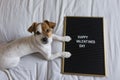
{"x":17,"y":15}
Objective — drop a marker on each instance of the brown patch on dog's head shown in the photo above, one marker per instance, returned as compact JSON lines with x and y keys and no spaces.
{"x":33,"y":27}
{"x":47,"y":28}
{"x":51,"y":24}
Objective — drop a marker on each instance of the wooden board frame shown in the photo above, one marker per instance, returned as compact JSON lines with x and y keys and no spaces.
{"x":64,"y":33}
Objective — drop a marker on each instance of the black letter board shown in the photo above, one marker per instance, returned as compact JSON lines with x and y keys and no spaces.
{"x":86,"y":46}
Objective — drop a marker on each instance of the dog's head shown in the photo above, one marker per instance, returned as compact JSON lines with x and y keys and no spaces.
{"x":42,"y":31}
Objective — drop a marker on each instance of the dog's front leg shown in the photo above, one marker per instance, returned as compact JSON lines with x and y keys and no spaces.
{"x":62,"y":54}
{"x":49,"y":56}
{"x":61,"y":38}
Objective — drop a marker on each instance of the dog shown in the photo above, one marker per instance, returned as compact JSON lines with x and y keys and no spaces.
{"x":40,"y":42}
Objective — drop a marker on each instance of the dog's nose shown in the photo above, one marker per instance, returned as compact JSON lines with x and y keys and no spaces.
{"x":45,"y":40}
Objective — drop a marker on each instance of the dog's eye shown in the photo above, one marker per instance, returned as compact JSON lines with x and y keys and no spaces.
{"x":47,"y":30}
{"x":38,"y":33}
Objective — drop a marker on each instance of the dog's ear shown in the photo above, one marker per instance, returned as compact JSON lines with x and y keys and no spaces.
{"x":51,"y":24}
{"x":32,"y":28}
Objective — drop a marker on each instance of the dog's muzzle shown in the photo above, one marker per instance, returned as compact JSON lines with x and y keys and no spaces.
{"x":44,"y":40}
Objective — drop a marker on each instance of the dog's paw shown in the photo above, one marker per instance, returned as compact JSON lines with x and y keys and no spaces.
{"x":66,"y":54}
{"x":67,"y":38}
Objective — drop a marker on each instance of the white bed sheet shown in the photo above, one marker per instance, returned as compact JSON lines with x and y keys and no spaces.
{"x":17,"y":15}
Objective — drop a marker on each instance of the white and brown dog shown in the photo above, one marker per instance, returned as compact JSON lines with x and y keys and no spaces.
{"x":39,"y":42}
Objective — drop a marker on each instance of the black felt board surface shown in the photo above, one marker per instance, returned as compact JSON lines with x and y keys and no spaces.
{"x":86,"y":46}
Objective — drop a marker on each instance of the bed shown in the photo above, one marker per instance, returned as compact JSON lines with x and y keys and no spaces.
{"x":17,"y":15}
